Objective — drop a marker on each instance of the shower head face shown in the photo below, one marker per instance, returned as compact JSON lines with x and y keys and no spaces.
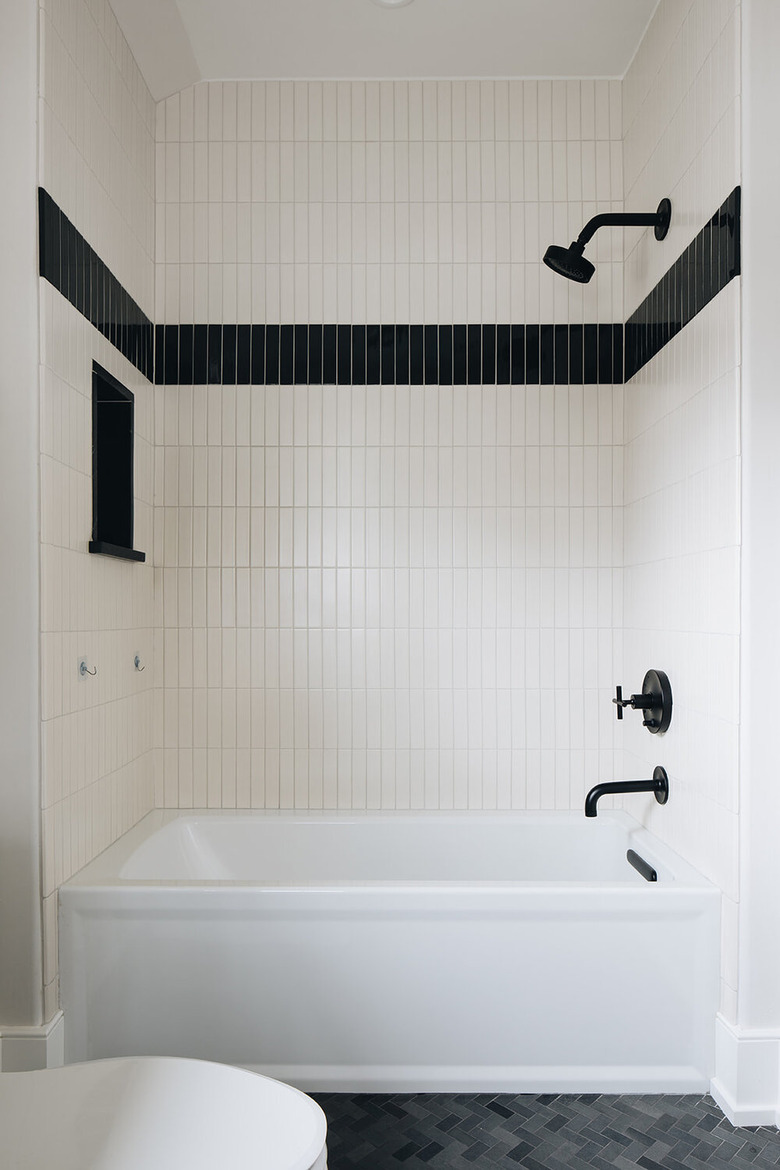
{"x":569,"y":262}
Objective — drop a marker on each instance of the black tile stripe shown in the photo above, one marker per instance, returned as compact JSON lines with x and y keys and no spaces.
{"x":68,"y":262}
{"x":706,"y":266}
{"x":401,"y":354}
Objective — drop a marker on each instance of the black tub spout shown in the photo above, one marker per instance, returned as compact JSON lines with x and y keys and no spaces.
{"x":659,"y":785}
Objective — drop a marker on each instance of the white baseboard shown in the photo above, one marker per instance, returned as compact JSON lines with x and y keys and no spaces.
{"x":479,"y":1079}
{"x":746,"y":1084}
{"x":24,"y":1048}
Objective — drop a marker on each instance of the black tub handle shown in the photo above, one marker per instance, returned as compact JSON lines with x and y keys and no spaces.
{"x":641,"y":866}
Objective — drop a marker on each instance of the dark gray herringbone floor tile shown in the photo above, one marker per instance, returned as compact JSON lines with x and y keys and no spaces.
{"x":483,"y":1131}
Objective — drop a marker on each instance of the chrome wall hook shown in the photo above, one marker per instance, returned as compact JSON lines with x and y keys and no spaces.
{"x":137,"y":663}
{"x":84,"y":669}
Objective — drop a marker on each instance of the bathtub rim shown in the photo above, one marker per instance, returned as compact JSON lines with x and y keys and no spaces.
{"x":104,"y":870}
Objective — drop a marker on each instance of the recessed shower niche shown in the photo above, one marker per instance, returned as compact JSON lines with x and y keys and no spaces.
{"x":113,"y":413}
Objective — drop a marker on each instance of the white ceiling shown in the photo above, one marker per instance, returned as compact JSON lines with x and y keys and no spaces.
{"x":178,"y":42}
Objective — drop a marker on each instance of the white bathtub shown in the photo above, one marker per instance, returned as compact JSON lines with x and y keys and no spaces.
{"x":397,"y":952}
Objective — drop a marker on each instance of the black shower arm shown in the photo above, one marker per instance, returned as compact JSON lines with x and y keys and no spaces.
{"x":616,"y":219}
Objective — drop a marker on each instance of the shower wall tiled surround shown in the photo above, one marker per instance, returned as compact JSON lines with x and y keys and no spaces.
{"x":386,"y":596}
{"x":97,"y":162}
{"x":682,"y":450}
{"x":390,"y":596}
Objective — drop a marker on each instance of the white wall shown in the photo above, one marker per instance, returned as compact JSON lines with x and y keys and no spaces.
{"x":97,"y":162}
{"x":386,"y":596}
{"x":682,"y":451}
{"x":20,"y":931}
{"x":759,"y":998}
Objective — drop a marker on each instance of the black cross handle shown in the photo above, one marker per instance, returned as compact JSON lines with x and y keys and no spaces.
{"x":637,"y":702}
{"x":655,"y":699}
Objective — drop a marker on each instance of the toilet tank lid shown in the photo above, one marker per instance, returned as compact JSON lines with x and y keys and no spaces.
{"x":156,"y":1113}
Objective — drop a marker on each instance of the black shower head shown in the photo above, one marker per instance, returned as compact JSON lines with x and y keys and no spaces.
{"x":569,"y":262}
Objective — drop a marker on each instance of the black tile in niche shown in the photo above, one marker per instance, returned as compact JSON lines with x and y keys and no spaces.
{"x":358,"y":355}
{"x":518,"y":355}
{"x":315,"y":355}
{"x":416,"y":355}
{"x":258,"y":355}
{"x":328,"y":355}
{"x":186,"y":354}
{"x":229,"y":347}
{"x":373,"y":355}
{"x":459,"y":351}
{"x":171,"y":375}
{"x":503,"y":355}
{"x":344,"y":354}
{"x":431,"y":344}
{"x":445,"y":377}
{"x":388,"y":355}
{"x":272,"y":355}
{"x":402,"y":355}
{"x":301,"y":373}
{"x":244,"y":355}
{"x":474,"y":354}
{"x":200,"y":354}
{"x":489,"y":355}
{"x":215,"y":354}
{"x":286,"y":361}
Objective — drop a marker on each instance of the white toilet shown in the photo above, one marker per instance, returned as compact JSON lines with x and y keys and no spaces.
{"x":157,"y":1113}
